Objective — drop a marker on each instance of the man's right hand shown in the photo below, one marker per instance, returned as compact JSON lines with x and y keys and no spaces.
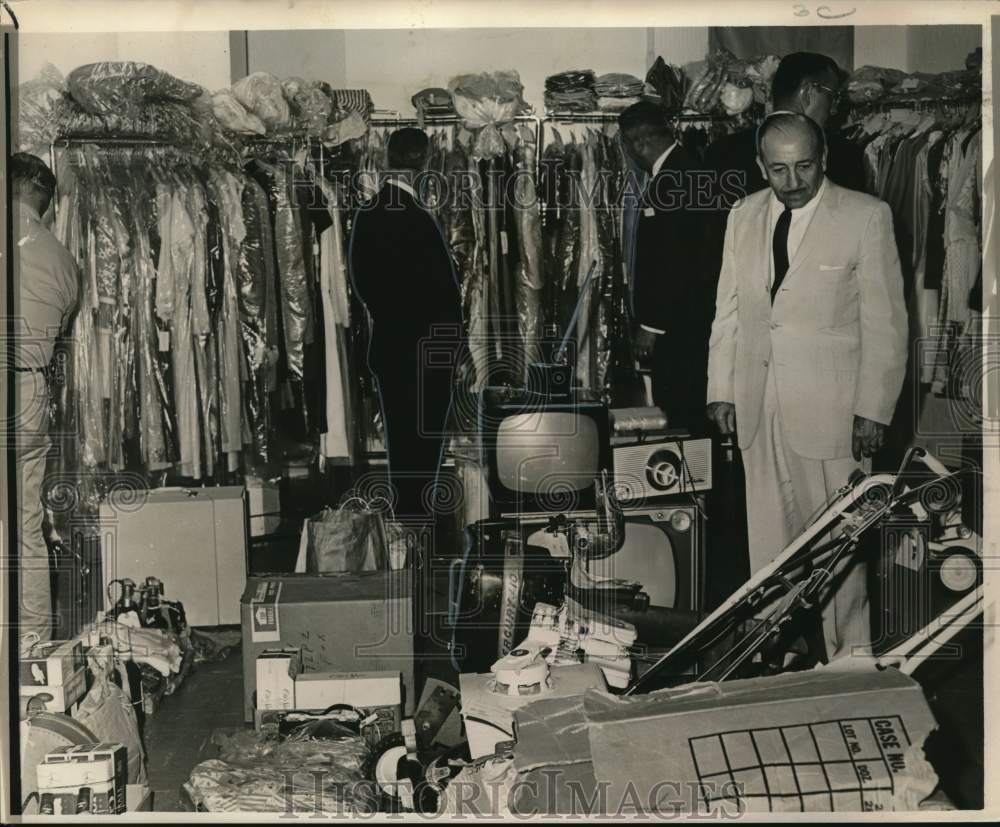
{"x":723,"y":414}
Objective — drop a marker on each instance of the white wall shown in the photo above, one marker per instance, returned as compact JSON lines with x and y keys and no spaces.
{"x":915,"y":48}
{"x":313,"y":54}
{"x":942,"y":48}
{"x":679,"y":45}
{"x":393,"y":65}
{"x":199,"y":57}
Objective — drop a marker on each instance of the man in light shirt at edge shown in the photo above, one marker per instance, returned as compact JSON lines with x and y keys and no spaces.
{"x":48,"y":292}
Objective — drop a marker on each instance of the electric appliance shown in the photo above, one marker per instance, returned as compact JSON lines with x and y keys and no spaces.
{"x":541,"y":453}
{"x":512,"y":565}
{"x":648,"y":470}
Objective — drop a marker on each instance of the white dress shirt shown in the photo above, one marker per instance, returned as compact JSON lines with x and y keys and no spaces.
{"x":801,"y":217}
{"x":662,"y":159}
{"x":657,"y":166}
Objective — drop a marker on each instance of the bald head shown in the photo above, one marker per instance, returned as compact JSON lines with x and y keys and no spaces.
{"x":791,"y":152}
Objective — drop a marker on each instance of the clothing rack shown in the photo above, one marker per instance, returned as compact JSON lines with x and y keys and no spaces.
{"x":101,"y":142}
{"x":918,"y":104}
{"x":392,"y":120}
{"x":606,"y":116}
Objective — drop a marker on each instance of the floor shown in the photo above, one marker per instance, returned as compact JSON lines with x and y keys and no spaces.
{"x":178,"y":735}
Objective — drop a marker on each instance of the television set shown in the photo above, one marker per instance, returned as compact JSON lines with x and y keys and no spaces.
{"x":541,"y":454}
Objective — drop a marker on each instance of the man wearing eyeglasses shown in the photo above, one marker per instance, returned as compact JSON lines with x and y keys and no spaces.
{"x":807,"y":84}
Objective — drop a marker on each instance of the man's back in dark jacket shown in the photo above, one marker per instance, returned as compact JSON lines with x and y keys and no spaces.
{"x":671,"y":293}
{"x":401,"y":269}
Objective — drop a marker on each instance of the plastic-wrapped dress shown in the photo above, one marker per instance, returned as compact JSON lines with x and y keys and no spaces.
{"x":566,"y":261}
{"x":155,"y":445}
{"x":75,"y":230}
{"x":475,"y":287}
{"x":296,"y":302}
{"x":177,"y":260}
{"x":256,"y":257}
{"x":201,"y":328}
{"x":116,"y":312}
{"x":227,"y":192}
{"x":589,"y":255}
{"x":529,"y":280}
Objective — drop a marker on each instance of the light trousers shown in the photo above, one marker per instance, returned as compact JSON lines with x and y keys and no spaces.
{"x":31,"y":447}
{"x":784,"y":491}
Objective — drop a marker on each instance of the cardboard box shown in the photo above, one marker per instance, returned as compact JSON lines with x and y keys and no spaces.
{"x":553,"y":760}
{"x":276,"y":673}
{"x":52,"y":664}
{"x":489,"y":717}
{"x":817,"y":741}
{"x":100,"y":768}
{"x":63,"y":695}
{"x":379,"y":692}
{"x":342,"y":623}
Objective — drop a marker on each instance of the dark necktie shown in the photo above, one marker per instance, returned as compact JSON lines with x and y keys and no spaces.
{"x":779,"y":246}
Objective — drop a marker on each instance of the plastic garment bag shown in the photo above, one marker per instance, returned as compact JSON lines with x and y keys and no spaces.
{"x":123,"y":88}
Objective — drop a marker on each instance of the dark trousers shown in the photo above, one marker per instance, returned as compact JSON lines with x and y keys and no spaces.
{"x":680,"y":382}
{"x":415,"y":411}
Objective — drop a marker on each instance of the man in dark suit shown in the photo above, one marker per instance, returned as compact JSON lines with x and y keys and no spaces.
{"x":804,"y":83}
{"x":401,"y":269}
{"x":671,"y":300}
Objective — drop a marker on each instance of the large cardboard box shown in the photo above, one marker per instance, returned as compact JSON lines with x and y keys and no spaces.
{"x":193,"y":539}
{"x":342,"y":622}
{"x":817,"y":741}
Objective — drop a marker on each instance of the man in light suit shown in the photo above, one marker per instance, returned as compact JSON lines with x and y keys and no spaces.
{"x":807,"y":351}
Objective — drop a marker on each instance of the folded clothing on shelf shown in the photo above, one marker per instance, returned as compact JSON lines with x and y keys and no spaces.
{"x":571,"y":91}
{"x":613,"y":104}
{"x":618,"y":85}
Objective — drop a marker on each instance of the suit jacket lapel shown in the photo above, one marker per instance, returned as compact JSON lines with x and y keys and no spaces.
{"x":761,"y":230}
{"x":821,"y":219}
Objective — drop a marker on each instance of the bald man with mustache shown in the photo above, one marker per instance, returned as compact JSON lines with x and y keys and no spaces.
{"x":807,"y":351}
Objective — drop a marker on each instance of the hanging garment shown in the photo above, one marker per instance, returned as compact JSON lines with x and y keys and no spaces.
{"x":227,"y":192}
{"x":180,"y":258}
{"x":336,"y":442}
{"x":529,"y":277}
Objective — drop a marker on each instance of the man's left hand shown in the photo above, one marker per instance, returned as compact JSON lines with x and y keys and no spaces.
{"x":867,"y":437}
{"x":645,"y":342}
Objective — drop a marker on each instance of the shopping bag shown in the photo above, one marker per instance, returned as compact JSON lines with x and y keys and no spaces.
{"x":351,"y":538}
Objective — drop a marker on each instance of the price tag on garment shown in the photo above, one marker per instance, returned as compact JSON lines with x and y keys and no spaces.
{"x":164,"y":340}
{"x":503,"y":241}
